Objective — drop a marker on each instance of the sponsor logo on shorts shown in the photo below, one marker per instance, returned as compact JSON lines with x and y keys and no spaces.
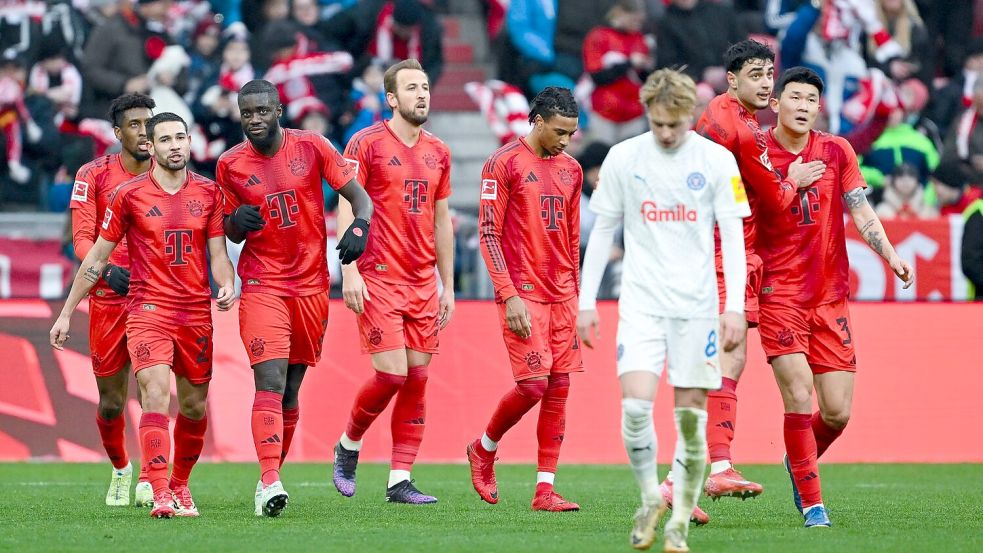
{"x":100,"y":293}
{"x":375,"y":336}
{"x":621,"y":351}
{"x":534,"y":360}
{"x":431,"y":161}
{"x":253,"y":281}
{"x":381,"y":267}
{"x":142,"y":352}
{"x":785,"y":337}
{"x":767,"y":290}
{"x":149,"y":307}
{"x":696,"y":181}
{"x":527,"y":287}
{"x":196,"y":208}
{"x":257,"y":346}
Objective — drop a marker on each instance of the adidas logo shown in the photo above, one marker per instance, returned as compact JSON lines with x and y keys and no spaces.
{"x":415,"y":421}
{"x":274,"y":439}
{"x":636,"y":449}
{"x":253,"y":180}
{"x":154,"y":212}
{"x":531,"y":177}
{"x":160,"y":459}
{"x":394,"y":161}
{"x":810,"y":476}
{"x":726,"y":424}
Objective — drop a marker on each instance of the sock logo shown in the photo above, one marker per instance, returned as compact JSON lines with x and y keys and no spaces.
{"x":274,"y":439}
{"x":682,"y":464}
{"x":154,"y":443}
{"x":726,"y":424}
{"x":190,"y":459}
{"x":637,"y":449}
{"x":810,"y":476}
{"x":158,"y":460}
{"x":416,"y":421}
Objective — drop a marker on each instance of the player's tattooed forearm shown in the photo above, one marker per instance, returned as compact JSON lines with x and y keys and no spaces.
{"x":874,"y":237}
{"x":867,"y":226}
{"x":91,"y":274}
{"x":855,"y":198}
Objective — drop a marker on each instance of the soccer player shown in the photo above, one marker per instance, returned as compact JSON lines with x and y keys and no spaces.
{"x":805,"y":321}
{"x":529,"y":223}
{"x":274,"y":201}
{"x":393,"y":288}
{"x":94,"y":183}
{"x":169,"y":217}
{"x":668,"y":187}
{"x":729,"y":120}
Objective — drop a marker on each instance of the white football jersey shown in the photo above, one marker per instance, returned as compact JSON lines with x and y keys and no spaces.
{"x":670,"y":202}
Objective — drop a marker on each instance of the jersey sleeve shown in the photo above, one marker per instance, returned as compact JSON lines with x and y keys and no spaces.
{"x":774,"y":191}
{"x":114,"y":222}
{"x":729,"y":196}
{"x":608,"y":197}
{"x":573,"y":218}
{"x":215,"y":227}
{"x":444,"y":186}
{"x":334,"y":168}
{"x":850,"y":176}
{"x":231,"y":199}
{"x":83,"y":205}
{"x":492,"y":204}
{"x":357,"y":154}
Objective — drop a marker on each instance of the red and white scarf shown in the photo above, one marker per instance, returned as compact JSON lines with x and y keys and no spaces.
{"x":387,"y":46}
{"x":964,"y":130}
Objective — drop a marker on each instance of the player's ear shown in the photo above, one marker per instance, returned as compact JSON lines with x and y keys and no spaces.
{"x":118,"y":132}
{"x":279,"y":111}
{"x":731,"y":80}
{"x":774,"y":103}
{"x":391,"y":100}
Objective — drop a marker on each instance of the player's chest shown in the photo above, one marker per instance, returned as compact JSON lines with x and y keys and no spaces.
{"x":545,"y":186}
{"x":663,"y":185}
{"x":405,"y":177}
{"x":161,"y":217}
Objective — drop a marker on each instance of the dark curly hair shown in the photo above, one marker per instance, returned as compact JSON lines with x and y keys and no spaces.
{"x":744,"y":51}
{"x":128,"y":101}
{"x":553,"y":100}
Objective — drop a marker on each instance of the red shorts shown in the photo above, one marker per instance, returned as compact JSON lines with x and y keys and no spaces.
{"x":399,"y":316}
{"x":274,"y":327}
{"x":553,"y":346}
{"x":822,"y":333}
{"x":187,"y":349}
{"x":751,"y":290}
{"x":107,"y":336}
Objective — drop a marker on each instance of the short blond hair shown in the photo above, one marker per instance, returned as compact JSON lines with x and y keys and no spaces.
{"x":389,"y":77}
{"x":670,"y":88}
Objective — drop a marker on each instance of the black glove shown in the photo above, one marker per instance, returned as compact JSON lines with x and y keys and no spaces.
{"x":352,"y":244}
{"x":117,"y":278}
{"x":247,"y":218}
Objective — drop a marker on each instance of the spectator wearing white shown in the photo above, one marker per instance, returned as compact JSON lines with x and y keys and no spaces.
{"x":904,"y":196}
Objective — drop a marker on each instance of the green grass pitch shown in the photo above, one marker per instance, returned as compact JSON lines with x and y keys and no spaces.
{"x":890,"y":508}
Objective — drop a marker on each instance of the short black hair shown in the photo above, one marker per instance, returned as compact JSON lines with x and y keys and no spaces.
{"x":128,"y":101}
{"x":744,"y":51}
{"x":260,"y":86}
{"x":161,"y":118}
{"x":553,"y":100}
{"x":798,"y":74}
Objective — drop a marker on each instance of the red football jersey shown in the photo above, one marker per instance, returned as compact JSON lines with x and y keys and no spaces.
{"x":168,"y":236}
{"x":404,"y":183}
{"x":529,"y":223}
{"x":605,"y":47}
{"x":803,"y":246}
{"x":287,"y":257}
{"x":94,"y":184}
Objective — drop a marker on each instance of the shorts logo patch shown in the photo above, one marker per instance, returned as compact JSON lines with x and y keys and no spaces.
{"x":253,"y":281}
{"x":257,"y":346}
{"x":785,"y":338}
{"x":142,"y":352}
{"x":100,"y":293}
{"x":431,"y":161}
{"x":527,"y":287}
{"x":149,"y":307}
{"x":767,"y":290}
{"x":96,"y":360}
{"x":381,"y":267}
{"x":621,"y":351}
{"x":696,"y":181}
{"x":375,"y":336}
{"x":534,"y":360}
{"x":196,"y":208}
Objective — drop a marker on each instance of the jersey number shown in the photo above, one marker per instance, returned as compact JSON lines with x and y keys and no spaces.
{"x":203,"y":352}
{"x":844,"y":326}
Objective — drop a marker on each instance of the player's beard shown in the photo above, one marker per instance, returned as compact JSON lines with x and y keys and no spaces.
{"x":173,"y":165}
{"x":266,"y":141}
{"x":140,"y":155}
{"x":410,"y":115}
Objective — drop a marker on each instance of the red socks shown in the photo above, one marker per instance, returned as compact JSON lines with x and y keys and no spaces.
{"x":189,"y":439}
{"x":113,"y":437}
{"x":722,"y":418}
{"x":267,"y":426}
{"x":409,"y":418}
{"x":155,"y":446}
{"x":825,"y":434}
{"x":290,"y":417}
{"x":513,"y":405}
{"x":552,"y":421}
{"x":371,"y":401}
{"x":800,"y":444}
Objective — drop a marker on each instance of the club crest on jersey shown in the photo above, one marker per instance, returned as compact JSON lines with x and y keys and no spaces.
{"x":565,"y":176}
{"x":299,"y":166}
{"x":785,"y":337}
{"x":257,"y":346}
{"x":375,"y":336}
{"x":430,"y":160}
{"x":534,"y":360}
{"x":196,"y":208}
{"x":80,"y":192}
{"x":696,"y":181}
{"x":142,"y":352}
{"x":489,"y":189}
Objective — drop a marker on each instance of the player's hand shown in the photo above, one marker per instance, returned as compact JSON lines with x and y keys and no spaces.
{"x":354,"y":291}
{"x":805,"y":174}
{"x":117,"y":278}
{"x":903,"y":271}
{"x":446,"y":306}
{"x":588,"y":327}
{"x":733,"y":330}
{"x":226,"y":297}
{"x":518,"y":317}
{"x":352,"y":244}
{"x":59,"y":332}
{"x":247,"y":218}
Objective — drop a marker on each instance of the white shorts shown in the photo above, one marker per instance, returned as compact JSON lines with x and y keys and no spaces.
{"x":691,"y":346}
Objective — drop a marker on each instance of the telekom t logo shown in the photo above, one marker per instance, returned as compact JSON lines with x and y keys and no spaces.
{"x":177,"y":244}
{"x":416,"y":193}
{"x":282,"y":205}
{"x":808,"y":205}
{"x":552,"y":210}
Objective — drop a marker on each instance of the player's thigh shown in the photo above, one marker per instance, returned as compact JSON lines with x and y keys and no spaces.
{"x":193,"y":352}
{"x":264,"y":326}
{"x":694,"y":353}
{"x":834,"y":390}
{"x":308,"y":322}
{"x":529,"y":357}
{"x":107,"y":337}
{"x":149,"y":343}
{"x":421,"y":322}
{"x":831,"y":346}
{"x":380,"y":325}
{"x":639,"y":385}
{"x":784,"y":329}
{"x":641,"y":343}
{"x":155,"y":387}
{"x":563,"y":339}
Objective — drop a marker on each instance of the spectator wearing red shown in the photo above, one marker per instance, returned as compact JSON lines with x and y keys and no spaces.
{"x":904,"y":197}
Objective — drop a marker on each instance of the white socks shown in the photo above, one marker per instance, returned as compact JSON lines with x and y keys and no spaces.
{"x":638,"y":433}
{"x":397,"y":476}
{"x":349,"y":444}
{"x":688,"y":464}
{"x":487,"y":443}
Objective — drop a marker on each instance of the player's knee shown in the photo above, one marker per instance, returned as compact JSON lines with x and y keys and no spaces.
{"x":798,"y":397}
{"x":837,"y":419}
{"x":111,"y":406}
{"x":558,"y":385}
{"x":418,"y":374}
{"x":193,"y":408}
{"x":636,"y":414}
{"x":155,"y":398}
{"x":534,"y":388}
{"x":734,"y":364}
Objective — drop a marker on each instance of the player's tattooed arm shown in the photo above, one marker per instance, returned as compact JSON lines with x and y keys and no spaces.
{"x":91,"y":274}
{"x":87,"y":276}
{"x":872,"y":231}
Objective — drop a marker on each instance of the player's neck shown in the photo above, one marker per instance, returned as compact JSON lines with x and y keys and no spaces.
{"x":170,"y":181}
{"x":532,"y":139}
{"x":751,"y":109}
{"x":406,"y":132}
{"x":793,"y":142}
{"x":134,"y":166}
{"x":270,"y":150}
